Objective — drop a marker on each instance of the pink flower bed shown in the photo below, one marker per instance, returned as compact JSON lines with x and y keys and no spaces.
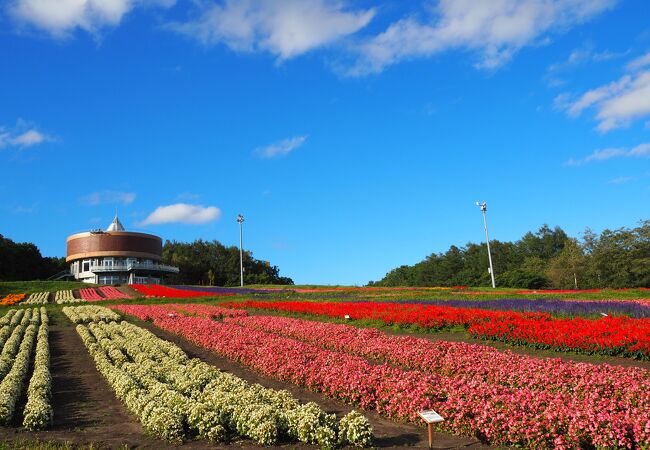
{"x":209,"y":311}
{"x":504,"y":398}
{"x":112,"y":293}
{"x":90,"y":295}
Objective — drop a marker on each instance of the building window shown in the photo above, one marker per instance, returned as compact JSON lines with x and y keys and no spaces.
{"x":108,"y":262}
{"x":85,"y":265}
{"x":111,"y":279}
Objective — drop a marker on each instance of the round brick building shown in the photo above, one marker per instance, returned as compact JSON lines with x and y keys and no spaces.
{"x":116,"y":256}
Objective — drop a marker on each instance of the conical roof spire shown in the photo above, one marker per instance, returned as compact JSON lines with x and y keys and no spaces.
{"x":115,"y":225}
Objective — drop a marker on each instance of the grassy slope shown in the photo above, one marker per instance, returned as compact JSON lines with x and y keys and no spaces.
{"x":27,"y":287}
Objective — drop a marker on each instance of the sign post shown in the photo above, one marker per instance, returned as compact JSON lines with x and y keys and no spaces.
{"x":430,"y":417}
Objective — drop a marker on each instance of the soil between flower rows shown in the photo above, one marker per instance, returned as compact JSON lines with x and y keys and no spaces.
{"x":86,"y":410}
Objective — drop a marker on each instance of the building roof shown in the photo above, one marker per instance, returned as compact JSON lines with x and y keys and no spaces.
{"x":115,"y":225}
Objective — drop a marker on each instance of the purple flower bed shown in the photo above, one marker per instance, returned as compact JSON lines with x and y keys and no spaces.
{"x":553,"y":306}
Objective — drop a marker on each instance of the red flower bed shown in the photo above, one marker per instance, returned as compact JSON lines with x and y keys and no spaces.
{"x":156,"y":290}
{"x":90,"y":295}
{"x":504,"y":398}
{"x":609,"y":335}
{"x":113,"y":293}
{"x":427,"y":316}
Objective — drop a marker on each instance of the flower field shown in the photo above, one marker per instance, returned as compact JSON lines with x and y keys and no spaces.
{"x":301,"y":342}
{"x":607,"y":335}
{"x":176,"y":397}
{"x":505,"y":398}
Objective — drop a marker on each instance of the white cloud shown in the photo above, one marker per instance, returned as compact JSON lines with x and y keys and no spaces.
{"x":281,"y":148}
{"x":285,"y":28}
{"x":581,"y":56}
{"x":640,"y":62}
{"x":23,"y":135}
{"x":182,"y":213}
{"x":641,"y":150}
{"x":495,"y":29}
{"x":617,"y":103}
{"x":58,"y":17}
{"x":107,"y":197}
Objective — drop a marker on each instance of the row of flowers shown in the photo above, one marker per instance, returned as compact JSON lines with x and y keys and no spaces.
{"x":112,"y":293}
{"x":18,"y":350}
{"x":90,"y":295}
{"x":11,"y":299}
{"x":90,"y":313}
{"x":612,"y":415}
{"x":66,"y":296}
{"x":176,"y":397}
{"x":556,"y":306}
{"x":37,"y":298}
{"x":211,"y":311}
{"x":12,"y":336}
{"x":622,"y":336}
{"x":38,"y":413}
{"x":156,"y":290}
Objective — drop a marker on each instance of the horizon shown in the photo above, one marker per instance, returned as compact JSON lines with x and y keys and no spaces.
{"x":354,"y":137}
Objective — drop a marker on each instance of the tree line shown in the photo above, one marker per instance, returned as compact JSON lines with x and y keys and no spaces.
{"x":547,"y":258}
{"x":212,"y":263}
{"x":21,"y":261}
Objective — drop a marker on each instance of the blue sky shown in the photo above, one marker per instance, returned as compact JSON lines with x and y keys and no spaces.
{"x":353,"y":136}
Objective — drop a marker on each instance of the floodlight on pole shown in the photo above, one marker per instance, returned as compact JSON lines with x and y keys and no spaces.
{"x":240,"y":221}
{"x":483,"y":207}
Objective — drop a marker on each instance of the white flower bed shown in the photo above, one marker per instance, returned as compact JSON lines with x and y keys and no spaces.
{"x":37,"y":298}
{"x":20,"y":321}
{"x":11,"y":387}
{"x":8,"y":323}
{"x":175,"y":397}
{"x":87,"y":314}
{"x":65,"y":296}
{"x":38,"y":410}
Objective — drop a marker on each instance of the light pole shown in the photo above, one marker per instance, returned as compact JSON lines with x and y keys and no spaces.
{"x":240,"y":221}
{"x":483,"y":207}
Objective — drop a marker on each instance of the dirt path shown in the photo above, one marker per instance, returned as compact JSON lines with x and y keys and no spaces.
{"x":388,"y":434}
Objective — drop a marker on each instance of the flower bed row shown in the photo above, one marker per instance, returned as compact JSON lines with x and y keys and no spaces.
{"x":211,"y":311}
{"x":503,"y":411}
{"x":38,"y":413}
{"x":37,"y":298}
{"x":90,"y":295}
{"x":87,"y":314}
{"x":112,"y":293}
{"x":65,"y":296}
{"x":156,"y":290}
{"x":175,"y":397}
{"x":633,"y":308}
{"x":28,"y":326}
{"x":608,"y":335}
{"x":11,"y":299}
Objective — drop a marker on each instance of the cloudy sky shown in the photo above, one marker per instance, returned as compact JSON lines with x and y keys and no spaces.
{"x":353,"y":136}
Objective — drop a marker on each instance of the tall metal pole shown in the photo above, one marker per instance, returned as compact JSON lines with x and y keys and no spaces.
{"x":483,"y":207}
{"x":240,"y":221}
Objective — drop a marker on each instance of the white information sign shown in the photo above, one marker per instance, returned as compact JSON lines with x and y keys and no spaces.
{"x":430,"y":416}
